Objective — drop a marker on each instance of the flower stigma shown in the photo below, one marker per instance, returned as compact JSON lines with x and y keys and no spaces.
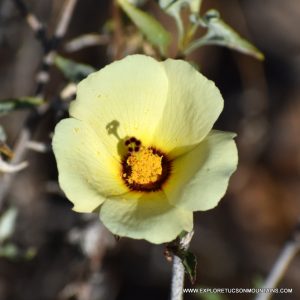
{"x":145,"y":169}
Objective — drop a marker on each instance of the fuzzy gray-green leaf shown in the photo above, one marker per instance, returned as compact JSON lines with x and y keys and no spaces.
{"x":155,"y":33}
{"x":189,"y":262}
{"x":12,"y":104}
{"x":173,"y":8}
{"x":7,"y":223}
{"x":72,"y":70}
{"x":2,"y":135}
{"x":220,"y":33}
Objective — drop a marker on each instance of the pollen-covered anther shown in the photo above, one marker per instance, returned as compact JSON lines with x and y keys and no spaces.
{"x":146,"y":167}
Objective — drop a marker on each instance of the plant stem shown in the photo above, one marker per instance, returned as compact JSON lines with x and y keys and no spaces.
{"x":287,"y":254}
{"x":177,"y":279}
{"x":178,"y":269}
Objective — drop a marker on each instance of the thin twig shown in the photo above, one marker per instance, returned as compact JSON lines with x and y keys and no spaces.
{"x":67,"y":12}
{"x":86,"y":40}
{"x":50,"y":52}
{"x":38,"y":146}
{"x":9,"y":168}
{"x":42,"y":78}
{"x":118,"y":43}
{"x":281,"y":265}
{"x":7,"y":178}
{"x":177,"y":283}
{"x":37,"y":27}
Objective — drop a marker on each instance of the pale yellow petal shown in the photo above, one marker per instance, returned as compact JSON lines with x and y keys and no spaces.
{"x":148,"y":217}
{"x":193,"y":105}
{"x":86,"y":170}
{"x":124,"y":99}
{"x":200,"y":178}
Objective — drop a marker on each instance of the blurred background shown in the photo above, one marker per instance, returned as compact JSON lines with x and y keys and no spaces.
{"x":49,"y":252}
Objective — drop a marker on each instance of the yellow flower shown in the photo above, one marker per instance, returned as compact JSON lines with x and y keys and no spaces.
{"x":140,"y":146}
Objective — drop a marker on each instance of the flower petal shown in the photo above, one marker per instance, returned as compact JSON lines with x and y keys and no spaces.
{"x":148,"y":217}
{"x":86,"y":170}
{"x":124,"y":99}
{"x":200,"y":177}
{"x":193,"y":105}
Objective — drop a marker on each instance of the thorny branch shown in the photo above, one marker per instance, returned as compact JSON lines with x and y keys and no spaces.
{"x":49,"y":45}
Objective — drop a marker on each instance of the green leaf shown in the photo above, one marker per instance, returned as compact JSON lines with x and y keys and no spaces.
{"x":7,"y":223}
{"x":72,"y":70}
{"x":179,"y":248}
{"x":182,"y":235}
{"x":9,"y":251}
{"x":30,"y":253}
{"x":12,"y":252}
{"x":2,"y":135}
{"x":173,"y":8}
{"x":189,"y":262}
{"x":187,"y":258}
{"x":155,"y":33}
{"x":221,"y":34}
{"x":9,"y":105}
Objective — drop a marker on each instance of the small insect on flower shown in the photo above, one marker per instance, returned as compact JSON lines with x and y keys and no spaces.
{"x":139,"y":147}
